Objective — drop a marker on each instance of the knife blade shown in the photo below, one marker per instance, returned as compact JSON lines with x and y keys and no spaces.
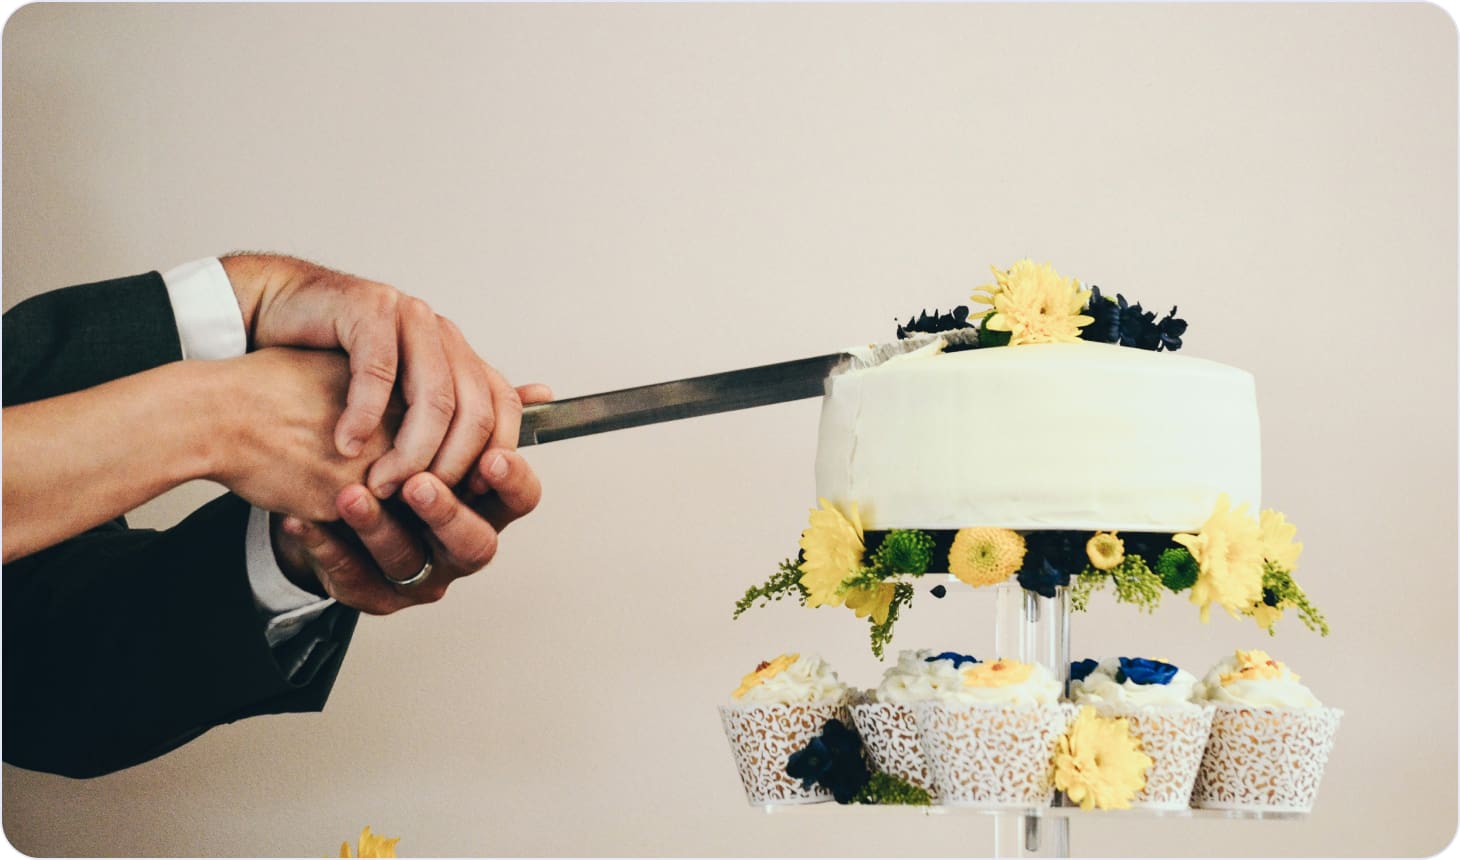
{"x":709,"y":394}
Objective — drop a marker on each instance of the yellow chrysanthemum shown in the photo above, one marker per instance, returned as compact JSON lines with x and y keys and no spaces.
{"x":370,"y":845}
{"x":876,"y":602}
{"x":1278,"y":546}
{"x":1034,"y":304}
{"x":1228,"y":553}
{"x":1098,"y":764}
{"x":765,"y":671}
{"x":985,"y":556}
{"x":1266,"y":616}
{"x":999,"y":673}
{"x":1105,"y":550}
{"x":833,"y":548}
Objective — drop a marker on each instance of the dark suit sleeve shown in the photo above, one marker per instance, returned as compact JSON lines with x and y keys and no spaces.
{"x":122,"y":644}
{"x":70,"y":339}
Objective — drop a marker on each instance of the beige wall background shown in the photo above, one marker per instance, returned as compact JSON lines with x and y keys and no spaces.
{"x":610,"y":195}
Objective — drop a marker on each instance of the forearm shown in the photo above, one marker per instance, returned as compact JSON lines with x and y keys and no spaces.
{"x":75,"y":461}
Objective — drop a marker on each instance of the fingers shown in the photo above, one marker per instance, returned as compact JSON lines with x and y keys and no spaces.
{"x":368,"y":334}
{"x":461,"y":537}
{"x":345,"y":571}
{"x":430,"y":395}
{"x":475,"y":416}
{"x":534,"y":392}
{"x":516,"y":488}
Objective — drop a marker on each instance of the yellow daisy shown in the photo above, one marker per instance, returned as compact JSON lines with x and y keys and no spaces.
{"x":1278,"y":546}
{"x":371,"y":845}
{"x":1105,"y":550}
{"x":764,"y":672}
{"x":833,"y":548}
{"x":1228,"y":553}
{"x":876,"y":602}
{"x":999,"y":673}
{"x":985,"y":556}
{"x":1098,"y":764}
{"x":1034,"y":304}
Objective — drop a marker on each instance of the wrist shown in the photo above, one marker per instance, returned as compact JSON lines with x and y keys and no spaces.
{"x":254,"y":277}
{"x":222,"y":404}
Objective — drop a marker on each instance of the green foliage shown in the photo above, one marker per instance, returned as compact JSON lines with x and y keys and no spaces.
{"x":1084,"y":584}
{"x":989,"y":337}
{"x":1136,"y":583}
{"x":865,"y":577}
{"x":907,"y":551}
{"x":882,"y":633}
{"x":785,"y":581}
{"x":884,"y":788}
{"x":1279,"y":588}
{"x":1177,"y":569}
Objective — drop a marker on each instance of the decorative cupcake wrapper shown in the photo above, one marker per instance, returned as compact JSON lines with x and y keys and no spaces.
{"x":763,"y":737}
{"x":992,"y":756}
{"x":1265,"y":759}
{"x":890,"y":736}
{"x":1175,"y":738}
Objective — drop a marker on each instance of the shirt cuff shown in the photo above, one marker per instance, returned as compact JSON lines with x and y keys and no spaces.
{"x":289,"y":606}
{"x":209,"y":323}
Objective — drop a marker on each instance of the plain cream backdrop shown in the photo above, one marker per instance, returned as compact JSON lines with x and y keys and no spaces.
{"x":604,"y":196}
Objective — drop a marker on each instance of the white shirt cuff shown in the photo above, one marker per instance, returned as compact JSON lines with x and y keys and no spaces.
{"x":209,"y":323}
{"x":290,"y":606}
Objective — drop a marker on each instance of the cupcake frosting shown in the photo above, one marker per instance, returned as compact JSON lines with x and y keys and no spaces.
{"x":790,"y":679}
{"x":1254,"y":678}
{"x":1002,"y":682}
{"x":922,"y":675}
{"x":1110,"y":687}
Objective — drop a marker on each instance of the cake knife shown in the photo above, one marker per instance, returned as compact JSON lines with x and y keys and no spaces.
{"x":716,"y":392}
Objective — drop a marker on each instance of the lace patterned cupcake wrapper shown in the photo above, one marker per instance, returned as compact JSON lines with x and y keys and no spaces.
{"x":890,"y":735}
{"x":992,"y":756}
{"x":1265,"y":759}
{"x":763,"y":737}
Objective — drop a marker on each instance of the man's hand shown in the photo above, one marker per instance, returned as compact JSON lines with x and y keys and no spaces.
{"x":456,"y":404}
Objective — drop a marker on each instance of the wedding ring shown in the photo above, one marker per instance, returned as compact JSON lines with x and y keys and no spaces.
{"x":416,"y":578}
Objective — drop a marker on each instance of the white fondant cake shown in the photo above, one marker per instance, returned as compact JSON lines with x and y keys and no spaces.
{"x":1043,"y":436}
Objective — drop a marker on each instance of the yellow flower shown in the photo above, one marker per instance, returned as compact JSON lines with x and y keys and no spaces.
{"x":985,"y":556}
{"x":1106,"y":551}
{"x":371,"y":845}
{"x":1255,"y":666}
{"x":833,"y":548}
{"x":1034,"y":304}
{"x":1266,"y":616}
{"x":1228,"y":553}
{"x":1098,"y":764}
{"x":876,"y":602}
{"x":1000,"y":673}
{"x":1277,"y":540}
{"x":764,"y":672}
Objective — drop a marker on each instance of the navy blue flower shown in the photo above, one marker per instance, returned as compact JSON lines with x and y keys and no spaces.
{"x":1106,"y":327}
{"x":1170,"y":330}
{"x":1042,"y":577}
{"x":934,"y":323}
{"x":958,"y":659}
{"x":1081,"y":669}
{"x":1144,"y":672}
{"x":833,"y":759}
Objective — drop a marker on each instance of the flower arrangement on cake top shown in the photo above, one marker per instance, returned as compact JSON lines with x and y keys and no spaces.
{"x":1241,"y":562}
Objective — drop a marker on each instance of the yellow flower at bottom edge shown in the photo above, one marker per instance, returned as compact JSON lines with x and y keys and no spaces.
{"x":833,"y":548}
{"x":371,"y":845}
{"x":876,"y":602}
{"x":1098,"y":764}
{"x":1228,"y":553}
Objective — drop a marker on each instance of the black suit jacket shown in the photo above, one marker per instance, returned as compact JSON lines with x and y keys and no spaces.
{"x":122,"y":644}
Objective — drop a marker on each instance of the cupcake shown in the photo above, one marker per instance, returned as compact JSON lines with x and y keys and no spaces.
{"x":1270,"y":737}
{"x":885,"y":716}
{"x":775,"y":713}
{"x":1157,"y":701}
{"x":988,"y":739}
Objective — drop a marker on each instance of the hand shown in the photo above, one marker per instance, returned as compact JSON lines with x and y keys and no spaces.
{"x":456,"y":404}
{"x":461,"y":531}
{"x":277,"y":451}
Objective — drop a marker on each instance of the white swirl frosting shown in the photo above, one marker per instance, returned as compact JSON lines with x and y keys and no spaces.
{"x":915,"y":678}
{"x":1100,"y":689}
{"x":1281,"y":689}
{"x":979,"y":683}
{"x":808,"y":679}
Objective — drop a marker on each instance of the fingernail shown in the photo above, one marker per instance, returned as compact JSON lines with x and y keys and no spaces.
{"x":424,"y":492}
{"x":497,"y":468}
{"x":359,"y":506}
{"x":353,"y":446}
{"x":385,"y":491}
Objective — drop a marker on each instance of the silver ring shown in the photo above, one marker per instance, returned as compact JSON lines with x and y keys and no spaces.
{"x":416,"y":578}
